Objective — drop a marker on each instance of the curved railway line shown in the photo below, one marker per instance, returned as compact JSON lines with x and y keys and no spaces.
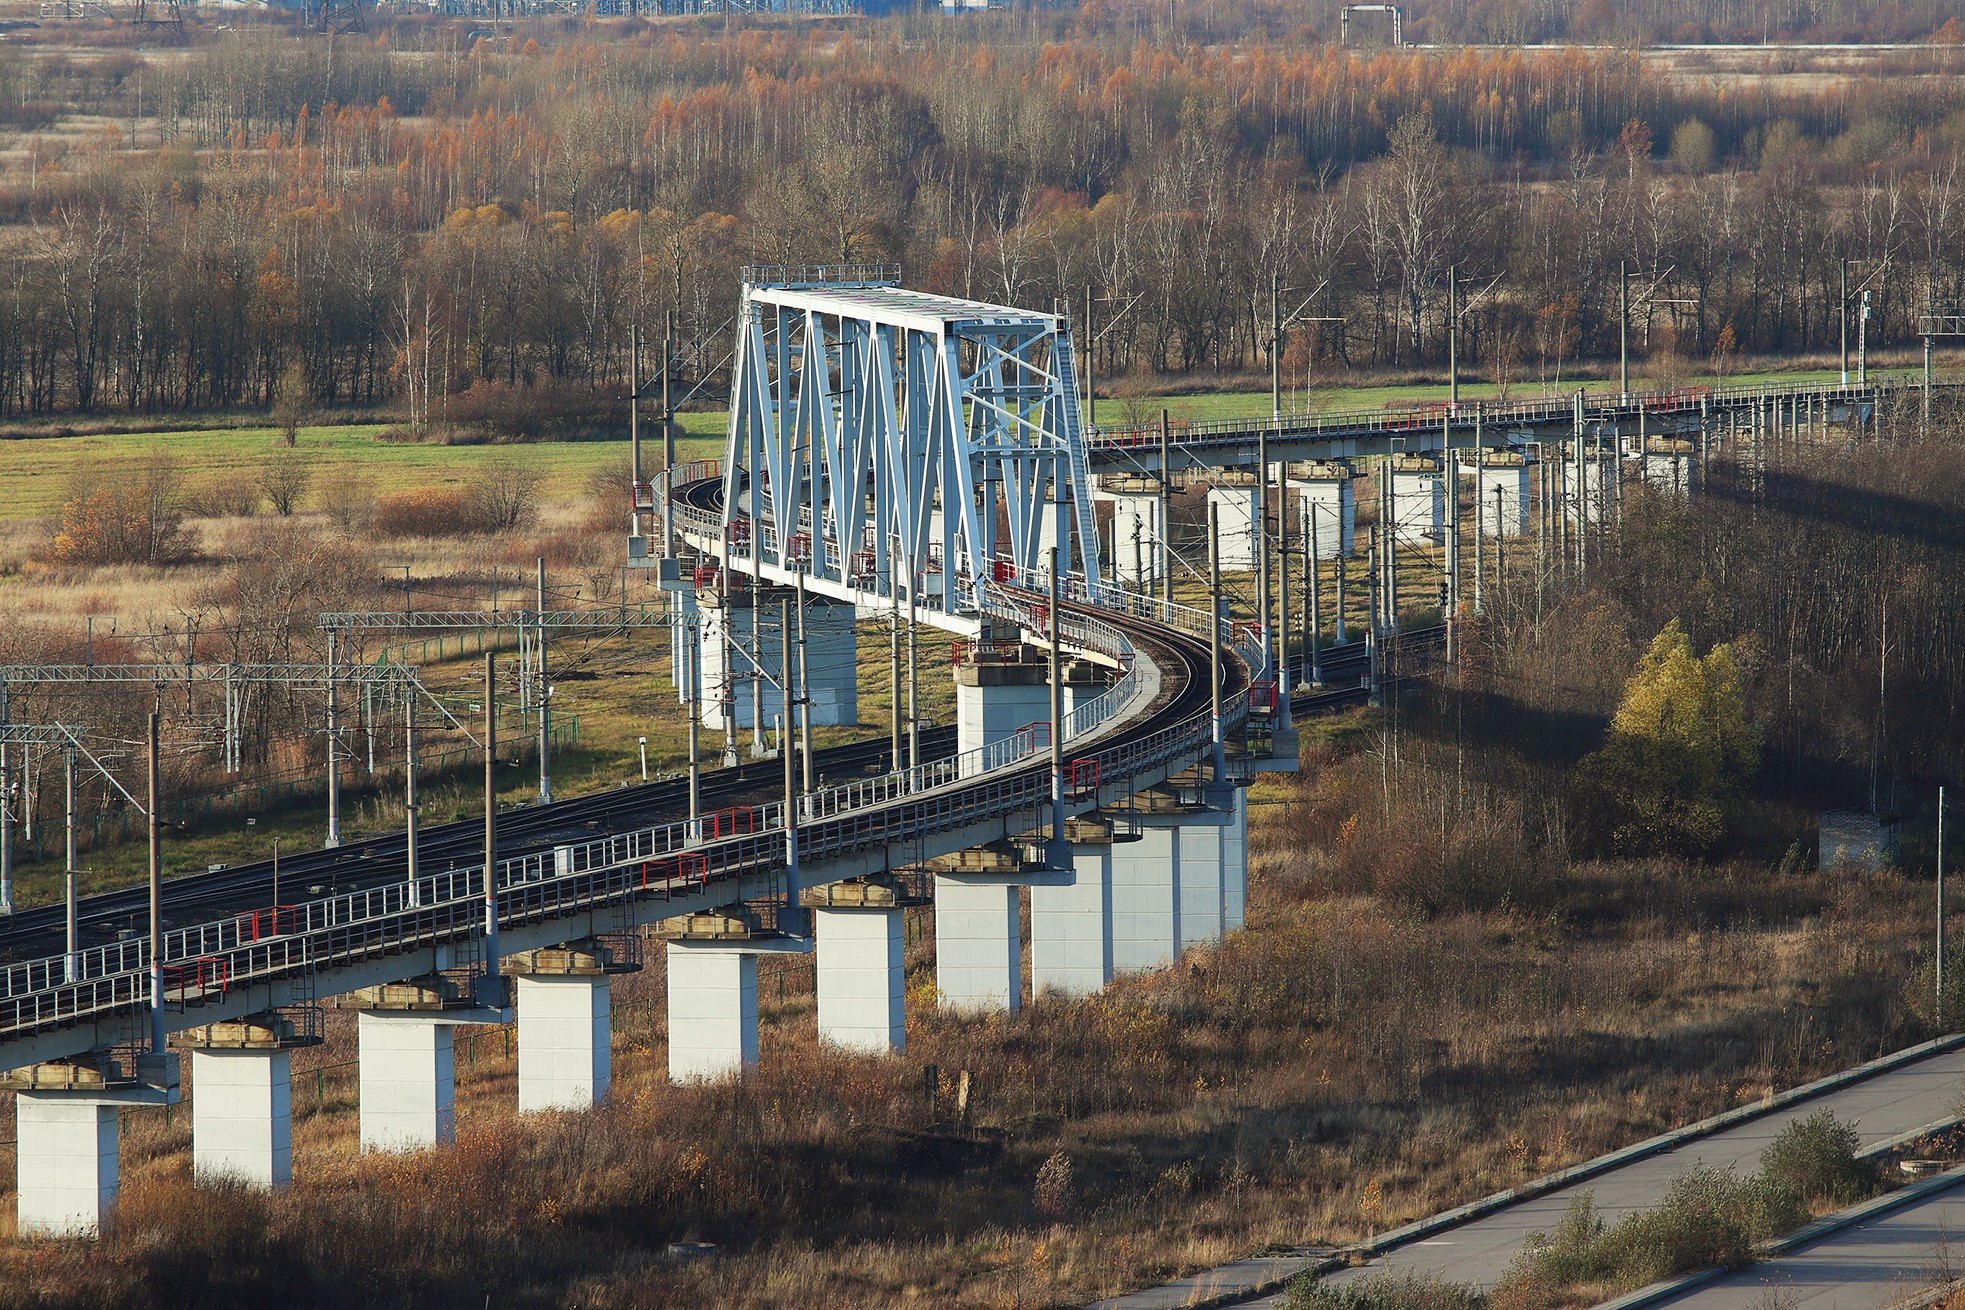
{"x":382,"y":859}
{"x":612,"y":849}
{"x":875,"y":823}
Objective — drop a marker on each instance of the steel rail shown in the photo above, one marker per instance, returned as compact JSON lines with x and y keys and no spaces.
{"x":325,"y":933}
{"x":1426,"y":417}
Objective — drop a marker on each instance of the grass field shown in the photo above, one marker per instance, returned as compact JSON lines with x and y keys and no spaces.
{"x":36,"y":472}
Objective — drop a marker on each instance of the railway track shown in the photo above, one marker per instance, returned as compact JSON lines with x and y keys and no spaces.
{"x":38,"y":932}
{"x":382,"y":860}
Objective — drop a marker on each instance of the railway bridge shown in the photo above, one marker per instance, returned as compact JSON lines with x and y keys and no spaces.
{"x":891,"y":454}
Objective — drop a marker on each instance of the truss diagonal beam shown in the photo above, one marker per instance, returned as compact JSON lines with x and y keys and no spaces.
{"x":897,"y":445}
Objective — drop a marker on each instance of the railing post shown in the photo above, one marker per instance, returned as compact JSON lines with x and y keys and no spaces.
{"x":489,"y":990}
{"x":1214,"y":641}
{"x":1059,"y":854}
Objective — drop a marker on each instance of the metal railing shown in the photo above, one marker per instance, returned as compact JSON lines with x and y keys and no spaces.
{"x":993,"y":781}
{"x":1429,"y":416}
{"x":784,"y":276}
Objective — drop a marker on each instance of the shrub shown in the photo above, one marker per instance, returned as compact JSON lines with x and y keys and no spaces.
{"x":350,"y":503}
{"x":545,"y":411}
{"x":426,"y":512}
{"x":1055,"y":1191}
{"x":1571,"y":1255}
{"x":1815,"y":1158}
{"x":123,"y":518}
{"x":292,"y":404}
{"x":504,"y":497}
{"x":284,"y":480}
{"x":230,"y":497}
{"x":1707,"y":1218}
{"x":1383,"y":1292}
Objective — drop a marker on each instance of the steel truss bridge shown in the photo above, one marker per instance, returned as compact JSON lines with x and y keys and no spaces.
{"x":918,"y":398}
{"x":886,"y":448}
{"x":898,"y":422}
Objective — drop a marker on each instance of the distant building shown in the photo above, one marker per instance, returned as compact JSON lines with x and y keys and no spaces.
{"x":1859,"y":839}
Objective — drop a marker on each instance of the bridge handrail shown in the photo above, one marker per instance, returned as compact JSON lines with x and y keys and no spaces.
{"x":1531,"y":409}
{"x":397,"y":916}
{"x":37,"y":978}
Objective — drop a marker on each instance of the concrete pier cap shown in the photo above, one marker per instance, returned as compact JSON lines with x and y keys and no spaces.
{"x":565,"y":1023}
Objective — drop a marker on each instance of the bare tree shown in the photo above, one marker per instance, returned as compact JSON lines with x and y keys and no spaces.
{"x":505,"y":497}
{"x":283,"y":481}
{"x":1421,"y":178}
{"x":290,"y":408}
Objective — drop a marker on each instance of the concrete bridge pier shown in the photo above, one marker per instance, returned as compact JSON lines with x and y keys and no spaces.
{"x":1001,"y":688}
{"x":979,"y":931}
{"x":1084,"y":682}
{"x":1071,"y":924}
{"x":1138,"y":537}
{"x":1327,"y":502}
{"x":242,"y":1112}
{"x":979,"y":925}
{"x":683,"y":638}
{"x":1237,"y":499}
{"x":741,"y":644}
{"x":406,"y":1043}
{"x":68,"y":1139}
{"x":1146,"y":897}
{"x":565,"y":1017}
{"x":860,"y":929}
{"x":1418,"y":498}
{"x":1167,"y":887}
{"x":1235,"y":865}
{"x":712,"y":963}
{"x":1200,"y":879}
{"x":68,"y":1147}
{"x":1503,"y":483}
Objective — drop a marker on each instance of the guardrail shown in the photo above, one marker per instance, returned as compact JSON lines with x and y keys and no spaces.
{"x":1463,"y":413}
{"x":360,"y":925}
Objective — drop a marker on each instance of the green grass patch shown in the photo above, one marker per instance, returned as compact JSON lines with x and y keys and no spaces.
{"x":36,"y":472}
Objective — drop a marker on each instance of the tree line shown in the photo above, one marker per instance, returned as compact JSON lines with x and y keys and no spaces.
{"x":406,"y":218}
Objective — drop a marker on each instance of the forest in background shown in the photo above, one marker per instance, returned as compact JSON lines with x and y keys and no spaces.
{"x":399,"y":218}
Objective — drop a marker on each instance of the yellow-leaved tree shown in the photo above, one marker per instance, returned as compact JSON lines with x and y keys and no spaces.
{"x":1678,"y":750}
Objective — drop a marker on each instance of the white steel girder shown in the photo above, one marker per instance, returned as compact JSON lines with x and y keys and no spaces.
{"x":882,"y":438}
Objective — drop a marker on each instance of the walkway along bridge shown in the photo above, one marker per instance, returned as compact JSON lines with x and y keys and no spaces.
{"x":890,"y":452}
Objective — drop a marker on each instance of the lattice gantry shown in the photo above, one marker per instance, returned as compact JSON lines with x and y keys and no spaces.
{"x":932,"y":440}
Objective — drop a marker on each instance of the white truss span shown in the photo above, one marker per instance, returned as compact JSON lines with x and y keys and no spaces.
{"x":930,"y":438}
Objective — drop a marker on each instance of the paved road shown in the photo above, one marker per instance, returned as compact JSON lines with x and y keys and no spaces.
{"x":1864,"y":1267}
{"x":1478,"y":1252}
